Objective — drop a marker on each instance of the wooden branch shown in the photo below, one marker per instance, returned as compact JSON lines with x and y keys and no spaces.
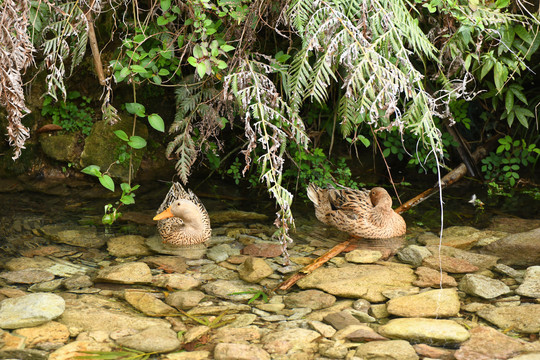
{"x":95,"y":50}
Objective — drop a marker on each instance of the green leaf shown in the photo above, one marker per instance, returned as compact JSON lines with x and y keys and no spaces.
{"x":138,"y":69}
{"x":136,"y":108}
{"x":201,"y":70}
{"x":156,"y":122}
{"x":488,"y":65}
{"x":107,"y":182}
{"x":165,"y":5}
{"x":522,"y":114}
{"x":162,"y":21}
{"x":163,"y":72}
{"x":516,"y":89}
{"x":499,"y":4}
{"x":523,"y":34}
{"x":136,"y":142}
{"x":192,"y":61}
{"x":222,"y":64}
{"x":127,"y":199}
{"x":197,"y":51}
{"x":500,"y":75}
{"x":509,"y":101}
{"x":121,"y":134}
{"x":93,"y":170}
{"x":386,"y":152}
{"x":226,"y":47}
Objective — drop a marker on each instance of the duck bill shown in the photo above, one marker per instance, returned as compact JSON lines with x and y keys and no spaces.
{"x":164,"y":215}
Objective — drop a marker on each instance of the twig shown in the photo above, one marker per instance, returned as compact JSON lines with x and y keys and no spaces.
{"x":94,"y":46}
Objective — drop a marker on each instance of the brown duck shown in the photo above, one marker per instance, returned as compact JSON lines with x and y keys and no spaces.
{"x":361,"y":213}
{"x":182,"y":218}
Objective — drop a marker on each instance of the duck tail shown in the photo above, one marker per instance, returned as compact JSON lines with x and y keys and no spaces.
{"x":313,"y":193}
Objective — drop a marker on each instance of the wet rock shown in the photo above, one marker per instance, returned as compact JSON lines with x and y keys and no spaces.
{"x":333,"y":349}
{"x":184,"y":300}
{"x":432,"y":331}
{"x":513,"y":224}
{"x":11,"y":292}
{"x":359,"y":281}
{"x":11,"y":341}
{"x":170,"y":264}
{"x":413,"y":255}
{"x":237,"y":335}
{"x":263,"y":250}
{"x":363,"y":256}
{"x":362,"y":316}
{"x":128,"y":273}
{"x":280,"y":342}
{"x":428,"y":277}
{"x":433,"y":303}
{"x":254,"y":270}
{"x":26,"y":276}
{"x":523,"y":318}
{"x":78,"y":348}
{"x":508,"y":271}
{"x":395,"y":293}
{"x":21,"y":263}
{"x":462,"y":237}
{"x":148,"y":304}
{"x":522,"y":249}
{"x":226,"y":288}
{"x":213,"y":271}
{"x":128,"y":245}
{"x":228,"y":351}
{"x":337,"y":307}
{"x":191,"y":355}
{"x":65,"y":269}
{"x":49,"y":333}
{"x":82,"y":237}
{"x":531,"y":283}
{"x":388,"y":350}
{"x":361,"y":305}
{"x":482,"y":261}
{"x":228,"y":216}
{"x":430,"y":352}
{"x":192,"y":252}
{"x":342,"y":319}
{"x":313,"y":299}
{"x":47,"y":286}
{"x":176,"y":281}
{"x":77,"y":282}
{"x":379,"y":311}
{"x":30,"y":310}
{"x":487,"y":343}
{"x":325,"y":330}
{"x":482,"y":286}
{"x":449,"y":264}
{"x":358,"y":333}
{"x":195,"y":333}
{"x":271,"y":307}
{"x":153,"y":339}
{"x":221,"y":252}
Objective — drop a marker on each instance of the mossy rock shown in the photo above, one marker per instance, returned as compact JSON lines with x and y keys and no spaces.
{"x":61,"y":147}
{"x":102,"y":147}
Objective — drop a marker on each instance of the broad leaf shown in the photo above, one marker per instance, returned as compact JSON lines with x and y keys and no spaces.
{"x":121,"y":134}
{"x":93,"y":170}
{"x":156,"y":122}
{"x":136,"y":108}
{"x":107,"y":182}
{"x":136,"y":142}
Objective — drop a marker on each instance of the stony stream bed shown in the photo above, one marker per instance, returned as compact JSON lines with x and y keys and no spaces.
{"x":67,"y":289}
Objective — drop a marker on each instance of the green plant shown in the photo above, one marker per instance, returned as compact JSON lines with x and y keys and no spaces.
{"x":72,"y":114}
{"x":124,"y":354}
{"x":256,"y":294}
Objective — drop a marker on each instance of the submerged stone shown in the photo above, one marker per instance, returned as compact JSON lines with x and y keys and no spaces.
{"x":30,"y":310}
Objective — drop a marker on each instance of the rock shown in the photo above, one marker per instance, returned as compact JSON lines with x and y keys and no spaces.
{"x":523,"y":318}
{"x":30,"y":310}
{"x":153,"y":339}
{"x":77,"y":282}
{"x":171,"y":264}
{"x":185,"y":300}
{"x":51,"y":332}
{"x":462,"y":237}
{"x":263,"y":250}
{"x":359,"y":281}
{"x":358,"y":333}
{"x":61,"y":147}
{"x":325,"y":330}
{"x":195,"y":333}
{"x":191,"y":355}
{"x":433,"y":303}
{"x":78,"y":348}
{"x":430,"y":352}
{"x":21,"y":263}
{"x":395,"y":293}
{"x":363,"y":256}
{"x":254,"y":270}
{"x":531,"y":283}
{"x":508,"y":271}
{"x":432,"y":331}
{"x":221,"y":252}
{"x":413,"y":255}
{"x":47,"y":286}
{"x":82,"y":237}
{"x":387,"y":350}
{"x":10,"y":342}
{"x":214,"y":271}
{"x":482,"y":261}
{"x":148,"y":304}
{"x":193,"y":252}
{"x":237,"y":335}
{"x":313,"y":299}
{"x":227,"y":351}
{"x":26,"y":276}
{"x":228,"y":216}
{"x":487,"y":343}
{"x":522,"y":249}
{"x":128,"y":245}
{"x":176,"y":281}
{"x":482,"y":286}
{"x":428,"y":277}
{"x":341,"y":320}
{"x":333,"y":349}
{"x":280,"y":342}
{"x":378,"y":311}
{"x":128,"y":273}
{"x":271,"y":307}
{"x":361,"y":305}
{"x":449,"y":264}
{"x":513,"y":224}
{"x":226,"y":288}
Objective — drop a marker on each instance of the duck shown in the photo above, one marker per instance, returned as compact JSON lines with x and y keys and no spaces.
{"x":182,"y":218}
{"x":360,"y":213}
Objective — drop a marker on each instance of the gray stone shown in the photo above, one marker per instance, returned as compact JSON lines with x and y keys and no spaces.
{"x":522,"y":249}
{"x":413,"y":254}
{"x":433,"y":303}
{"x":280,"y":342}
{"x":509,"y":271}
{"x":482,"y":286}
{"x":148,"y":304}
{"x":30,"y":310}
{"x":363,"y":256}
{"x":341,"y":320}
{"x":531,"y":283}
{"x":433,"y":331}
{"x":128,"y":273}
{"x":82,"y":237}
{"x":47,"y":286}
{"x":254,"y":270}
{"x":387,"y":350}
{"x":228,"y":351}
{"x":176,"y":281}
{"x":523,"y":318}
{"x":221,"y":252}
{"x":78,"y":282}
{"x":184,"y":300}
{"x":153,"y":339}
{"x":226,"y":289}
{"x":27,"y":276}
{"x":313,"y":299}
{"x":482,"y":261}
{"x":193,"y":252}
{"x":325,"y":330}
{"x":127,"y":245}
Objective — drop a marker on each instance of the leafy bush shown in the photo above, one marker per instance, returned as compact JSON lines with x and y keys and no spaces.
{"x":73,"y":114}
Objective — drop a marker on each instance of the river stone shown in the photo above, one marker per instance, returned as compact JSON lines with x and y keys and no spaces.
{"x":236,"y":335}
{"x":51,"y":332}
{"x":188,"y":355}
{"x":358,"y":333}
{"x":172,"y":264}
{"x":263,"y":250}
{"x":482,"y":261}
{"x":433,"y":303}
{"x":21,"y":263}
{"x":522,"y":249}
{"x":280,"y":342}
{"x":30,"y":310}
{"x":313,"y":299}
{"x":228,"y":351}
{"x":158,"y":339}
{"x":78,"y":348}
{"x":432,"y":331}
{"x":176,"y":281}
{"x":513,"y":225}
{"x":487,"y":343}
{"x":82,"y":237}
{"x":46,"y":286}
{"x":523,"y":318}
{"x":428,"y":277}
{"x":363,"y":256}
{"x":325,"y":330}
{"x":360,"y":281}
{"x":341,"y":320}
{"x":387,"y":350}
{"x":413,"y":255}
{"x":254,"y":270}
{"x":531,"y":283}
{"x":482,"y":286}
{"x":193,"y":252}
{"x":462,"y":237}
{"x":27,"y":276}
{"x":449,"y":264}
{"x":221,"y":252}
{"x":431,"y":352}
{"x":226,"y":288}
{"x":148,"y":304}
{"x":127,"y":245}
{"x":128,"y":273}
{"x":185,"y":300}
{"x":77,"y":282}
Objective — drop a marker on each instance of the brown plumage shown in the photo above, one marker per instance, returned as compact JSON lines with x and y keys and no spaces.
{"x":182,"y":218}
{"x":362,"y":213}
